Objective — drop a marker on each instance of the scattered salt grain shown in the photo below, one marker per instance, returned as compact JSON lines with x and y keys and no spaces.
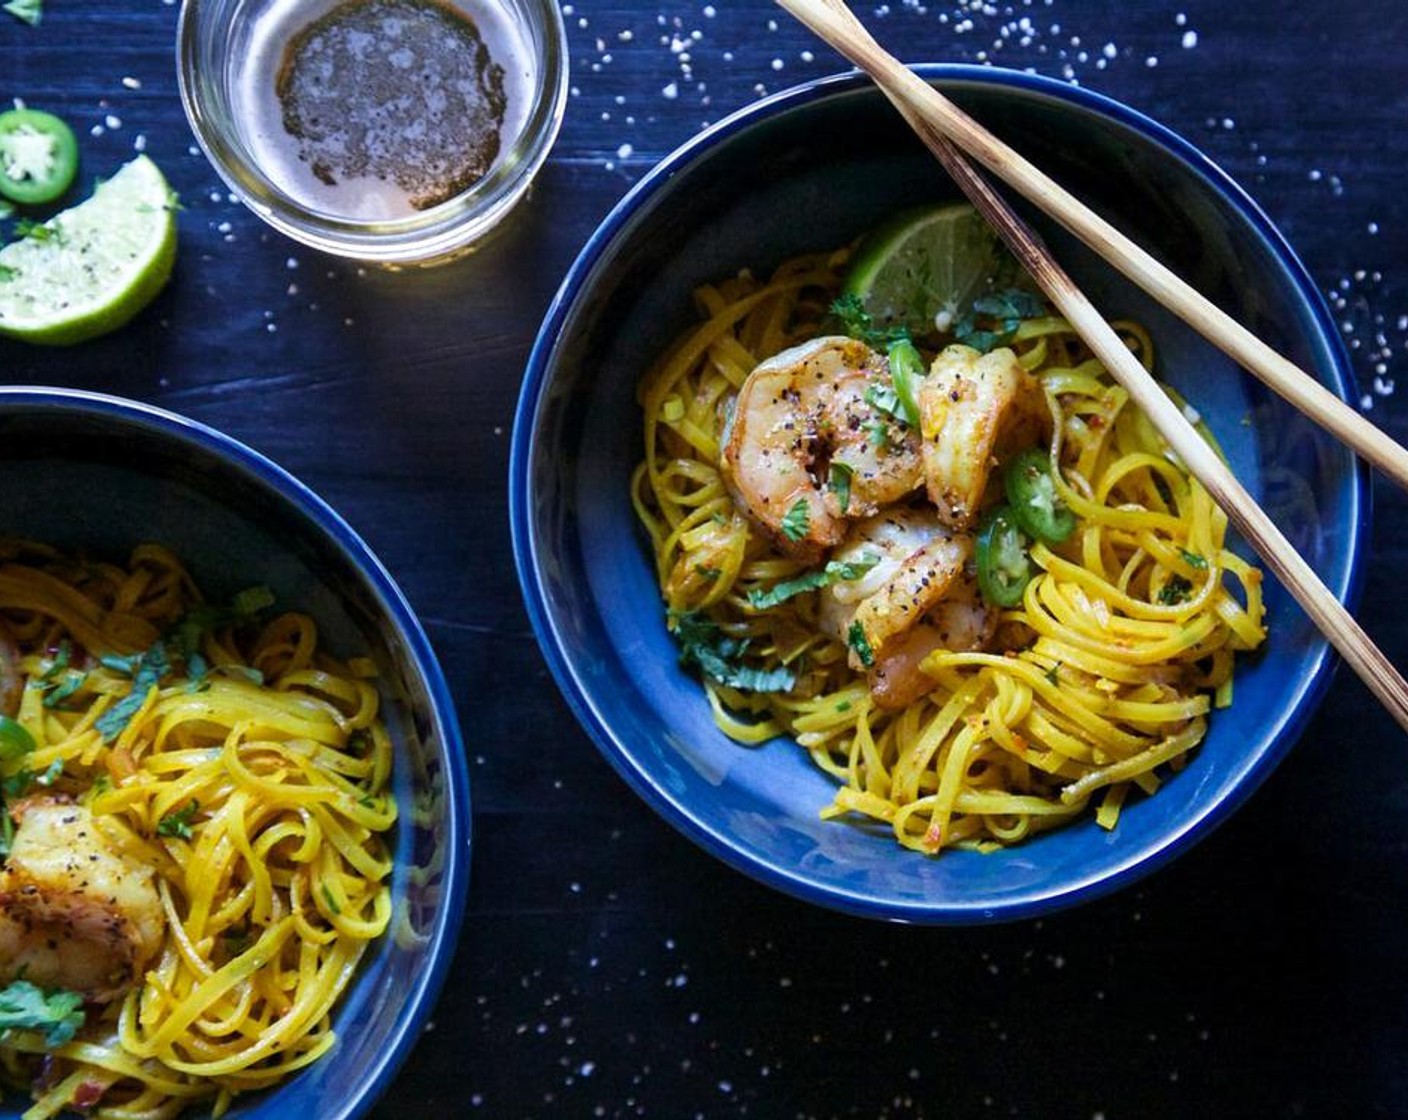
{"x":1190,"y":40}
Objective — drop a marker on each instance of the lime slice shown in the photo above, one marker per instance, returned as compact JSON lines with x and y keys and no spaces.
{"x":89,"y":269}
{"x":923,"y":268}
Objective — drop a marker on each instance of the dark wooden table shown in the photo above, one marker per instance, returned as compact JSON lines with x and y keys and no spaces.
{"x":610,"y":968}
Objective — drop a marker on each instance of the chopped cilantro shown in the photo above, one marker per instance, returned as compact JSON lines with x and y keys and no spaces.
{"x":118,"y":663}
{"x":797,"y":520}
{"x":995,"y":318}
{"x":1174,"y":591}
{"x":7,"y":273}
{"x":63,"y":689}
{"x":1053,"y":674}
{"x":57,"y":1013}
{"x":720,"y":657}
{"x":178,"y":821}
{"x":181,"y":644}
{"x":856,"y":639}
{"x":151,"y":667}
{"x":884,"y":399}
{"x":42,"y":232}
{"x":330,"y":900}
{"x":849,"y":311}
{"x":27,"y":11}
{"x":1194,"y":560}
{"x":57,"y":682}
{"x":63,"y":656}
{"x":52,"y":773}
{"x":15,"y":741}
{"x":840,"y":483}
{"x":708,"y":573}
{"x":834,"y":571}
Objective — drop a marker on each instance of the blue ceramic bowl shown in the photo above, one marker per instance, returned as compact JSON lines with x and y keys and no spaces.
{"x":104,"y":474}
{"x":812,"y":168}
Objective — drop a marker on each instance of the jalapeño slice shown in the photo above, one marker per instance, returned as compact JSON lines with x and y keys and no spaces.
{"x":38,"y":156}
{"x":1031,"y":492}
{"x":906,"y":371}
{"x":1004,"y":565}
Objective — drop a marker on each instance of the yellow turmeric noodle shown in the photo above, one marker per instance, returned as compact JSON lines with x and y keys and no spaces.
{"x":1107,"y":668}
{"x":222,"y":752}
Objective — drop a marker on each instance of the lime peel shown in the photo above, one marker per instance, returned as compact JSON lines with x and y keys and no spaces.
{"x":100,"y":263}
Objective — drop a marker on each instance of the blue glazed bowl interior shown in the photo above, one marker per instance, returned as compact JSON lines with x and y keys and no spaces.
{"x":101,"y":475}
{"x":812,"y":169}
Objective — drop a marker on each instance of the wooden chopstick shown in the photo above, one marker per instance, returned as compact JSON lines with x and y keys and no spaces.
{"x":834,"y":22}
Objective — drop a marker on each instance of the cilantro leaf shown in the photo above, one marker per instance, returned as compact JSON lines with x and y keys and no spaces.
{"x":151,"y":667}
{"x":856,"y":639}
{"x":834,"y":571}
{"x":15,"y":741}
{"x":885,"y":399}
{"x":849,"y":312}
{"x":877,"y":432}
{"x":57,"y":1013}
{"x":797,"y":520}
{"x":1194,"y":560}
{"x":42,"y":232}
{"x":995,"y":318}
{"x":185,"y":639}
{"x":1174,"y":591}
{"x":840,"y":483}
{"x":181,"y":644}
{"x":28,"y":11}
{"x":719,"y":656}
{"x":57,"y":682}
{"x":178,"y":821}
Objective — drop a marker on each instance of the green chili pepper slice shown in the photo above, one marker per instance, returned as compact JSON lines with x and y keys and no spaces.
{"x":1004,"y":565}
{"x":906,"y":371}
{"x":38,"y":156}
{"x":1031,"y":491}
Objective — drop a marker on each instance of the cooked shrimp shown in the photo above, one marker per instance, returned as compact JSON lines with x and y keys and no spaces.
{"x":916,"y":560}
{"x":974,"y":411}
{"x":801,"y":415}
{"x":73,"y":913}
{"x":918,"y":596}
{"x":960,"y":621}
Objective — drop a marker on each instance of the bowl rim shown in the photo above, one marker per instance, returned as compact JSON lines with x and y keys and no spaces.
{"x":373,"y":1080}
{"x":1028,"y":903}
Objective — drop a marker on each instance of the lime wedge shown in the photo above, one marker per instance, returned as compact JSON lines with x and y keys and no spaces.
{"x":89,"y":269}
{"x":923,"y":268}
